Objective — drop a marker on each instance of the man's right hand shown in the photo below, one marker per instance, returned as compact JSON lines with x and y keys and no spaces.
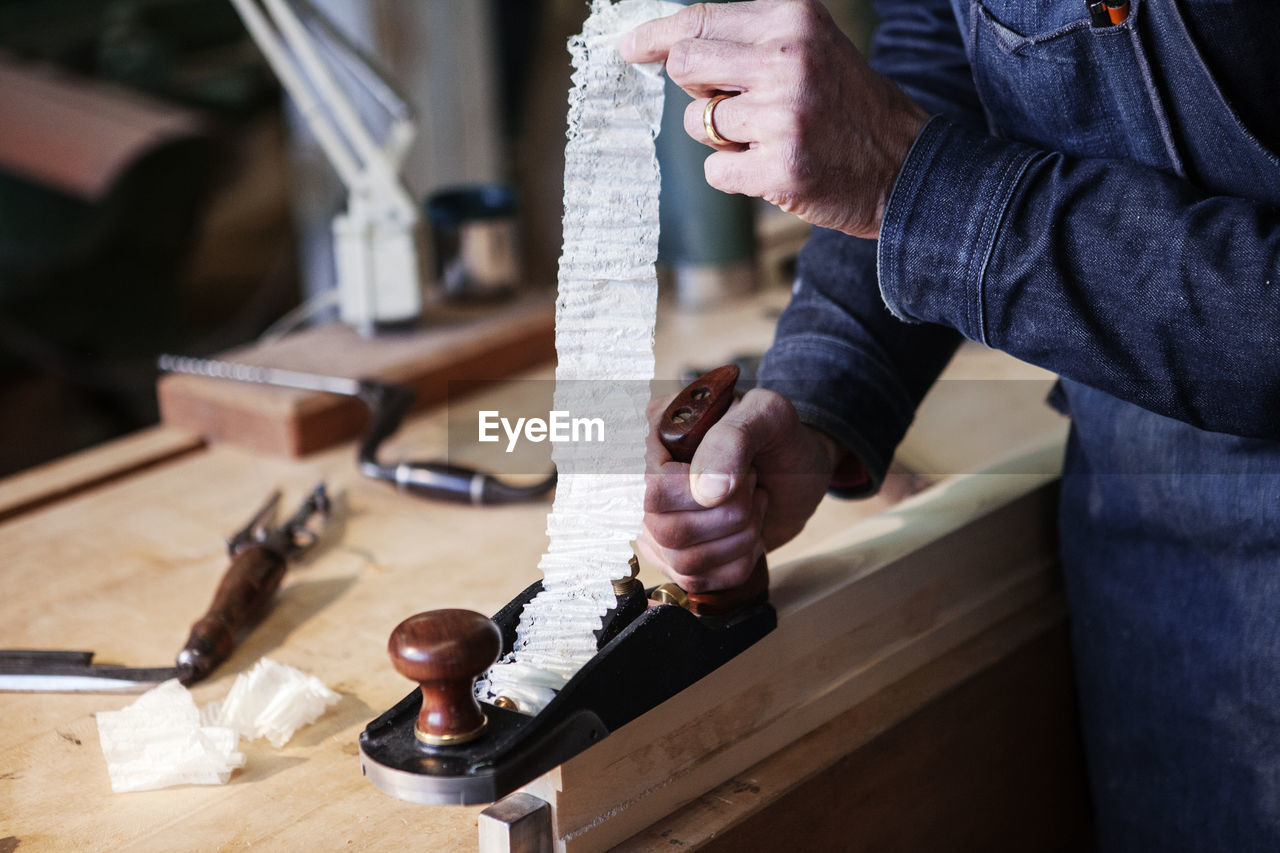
{"x":755,"y":479}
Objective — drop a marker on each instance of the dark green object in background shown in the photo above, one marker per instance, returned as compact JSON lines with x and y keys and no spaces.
{"x":700,"y":224}
{"x":703,"y":229}
{"x":707,"y":245}
{"x":92,"y":287}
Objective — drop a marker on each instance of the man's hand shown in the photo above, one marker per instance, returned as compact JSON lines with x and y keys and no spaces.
{"x":754,"y":481}
{"x":816,"y":131}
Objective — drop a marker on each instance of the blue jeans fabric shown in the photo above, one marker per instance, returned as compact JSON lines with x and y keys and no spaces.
{"x":1089,"y":200}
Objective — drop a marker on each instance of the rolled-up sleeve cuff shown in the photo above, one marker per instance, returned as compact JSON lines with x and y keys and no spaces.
{"x":941,"y":223}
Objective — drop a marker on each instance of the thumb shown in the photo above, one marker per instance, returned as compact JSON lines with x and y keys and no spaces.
{"x":724,"y":459}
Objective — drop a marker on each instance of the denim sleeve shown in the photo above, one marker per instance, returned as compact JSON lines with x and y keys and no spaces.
{"x":851,"y":368}
{"x":1112,"y":274}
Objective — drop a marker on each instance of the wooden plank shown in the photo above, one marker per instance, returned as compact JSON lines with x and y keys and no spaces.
{"x":788,"y":785}
{"x":909,"y":586}
{"x":124,"y":568}
{"x":993,"y":763}
{"x":88,"y":469}
{"x":723,"y":740}
{"x":456,"y":348}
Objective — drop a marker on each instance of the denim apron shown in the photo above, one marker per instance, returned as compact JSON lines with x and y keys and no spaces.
{"x":1171,"y":534}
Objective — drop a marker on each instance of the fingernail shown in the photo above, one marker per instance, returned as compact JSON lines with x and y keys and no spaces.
{"x":710,"y":486}
{"x":628,"y":44}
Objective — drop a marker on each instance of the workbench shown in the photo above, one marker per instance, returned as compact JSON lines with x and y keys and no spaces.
{"x":118,"y":550}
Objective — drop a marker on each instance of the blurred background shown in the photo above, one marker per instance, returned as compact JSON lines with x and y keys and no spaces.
{"x":158,"y":193}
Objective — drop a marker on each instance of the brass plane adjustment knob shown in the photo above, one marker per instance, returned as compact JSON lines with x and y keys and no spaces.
{"x":445,"y":651}
{"x":631,"y":583}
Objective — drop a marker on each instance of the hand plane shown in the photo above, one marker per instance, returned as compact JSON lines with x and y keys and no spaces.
{"x":440,"y":745}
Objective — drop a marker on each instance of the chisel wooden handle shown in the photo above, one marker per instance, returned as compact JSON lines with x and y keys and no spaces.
{"x":244,"y":594}
{"x":681,"y":429}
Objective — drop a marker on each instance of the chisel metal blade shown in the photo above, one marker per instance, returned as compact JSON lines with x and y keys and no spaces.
{"x":41,"y":671}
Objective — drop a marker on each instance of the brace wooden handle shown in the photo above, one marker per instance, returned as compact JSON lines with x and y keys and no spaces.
{"x":445,"y":651}
{"x":681,"y":429}
{"x":243,"y":597}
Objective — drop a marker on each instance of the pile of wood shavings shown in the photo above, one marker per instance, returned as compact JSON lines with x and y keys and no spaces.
{"x":272,"y":701}
{"x":163,"y":739}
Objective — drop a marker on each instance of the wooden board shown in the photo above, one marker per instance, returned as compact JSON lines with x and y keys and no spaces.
{"x":456,"y":347}
{"x":79,"y":472}
{"x":994,"y":763}
{"x":123,"y":568}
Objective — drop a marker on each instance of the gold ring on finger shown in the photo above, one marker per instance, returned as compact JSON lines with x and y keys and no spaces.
{"x":709,"y":121}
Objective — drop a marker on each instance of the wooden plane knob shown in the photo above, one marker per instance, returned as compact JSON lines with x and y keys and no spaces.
{"x":445,"y":651}
{"x":681,"y":429}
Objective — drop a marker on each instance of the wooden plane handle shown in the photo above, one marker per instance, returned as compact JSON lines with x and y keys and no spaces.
{"x":681,"y":429}
{"x":445,"y":651}
{"x":243,"y":597}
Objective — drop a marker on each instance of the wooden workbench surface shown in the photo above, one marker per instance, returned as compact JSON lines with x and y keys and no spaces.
{"x":125,"y":565}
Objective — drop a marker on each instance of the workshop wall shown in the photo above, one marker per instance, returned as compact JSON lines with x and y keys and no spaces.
{"x":137,"y":209}
{"x":185,"y":239}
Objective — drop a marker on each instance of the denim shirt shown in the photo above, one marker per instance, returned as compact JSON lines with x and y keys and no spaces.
{"x":1085,"y":199}
{"x":1090,"y":200}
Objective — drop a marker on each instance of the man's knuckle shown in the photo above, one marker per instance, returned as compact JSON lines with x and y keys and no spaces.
{"x":680,"y":60}
{"x":654,"y":501}
{"x":784,"y":201}
{"x":734,"y":437}
{"x":787,"y":125}
{"x":670,"y":534}
{"x":804,"y":16}
{"x":784,"y":195}
{"x":737,"y":516}
{"x":721,"y":173}
{"x":770,"y":407}
{"x":698,"y":20}
{"x":694,"y":583}
{"x":777,"y":406}
{"x":783,"y":58}
{"x":685,"y":562}
{"x":784,"y":15}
